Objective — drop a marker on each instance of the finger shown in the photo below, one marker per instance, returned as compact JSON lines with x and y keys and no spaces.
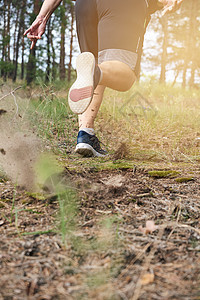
{"x":166,"y":10}
{"x":33,"y":37}
{"x":179,"y":3}
{"x":171,"y":8}
{"x":33,"y":43}
{"x":175,"y":5}
{"x":27,"y":31}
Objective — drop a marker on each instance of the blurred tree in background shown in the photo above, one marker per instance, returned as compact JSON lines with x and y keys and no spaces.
{"x":52,"y":56}
{"x":175,"y":48}
{"x":172,"y":53}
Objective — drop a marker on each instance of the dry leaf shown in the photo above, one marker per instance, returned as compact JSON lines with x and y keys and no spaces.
{"x":150,"y":227}
{"x":147,"y":278}
{"x":2,"y":222}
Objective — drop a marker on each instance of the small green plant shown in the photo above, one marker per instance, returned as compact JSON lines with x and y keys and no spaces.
{"x":67,"y":213}
{"x":184,"y":179}
{"x":53,"y":120}
{"x":13,"y":204}
{"x":50,"y":178}
{"x":3,"y":177}
{"x":162,"y":173}
{"x":96,"y":279}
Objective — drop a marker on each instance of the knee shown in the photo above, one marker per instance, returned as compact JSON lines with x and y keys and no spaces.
{"x":117,"y":75}
{"x":128,"y":82}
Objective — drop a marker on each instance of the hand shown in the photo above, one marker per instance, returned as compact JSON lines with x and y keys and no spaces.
{"x":36,"y":30}
{"x":170,"y":5}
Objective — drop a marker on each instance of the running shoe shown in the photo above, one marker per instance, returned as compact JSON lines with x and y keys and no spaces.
{"x":82,"y":90}
{"x":89,"y":145}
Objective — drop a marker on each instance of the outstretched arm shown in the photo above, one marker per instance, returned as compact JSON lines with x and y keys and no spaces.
{"x":36,"y":30}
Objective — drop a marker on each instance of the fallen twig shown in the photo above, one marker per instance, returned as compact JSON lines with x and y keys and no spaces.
{"x":13,"y":95}
{"x":17,"y":88}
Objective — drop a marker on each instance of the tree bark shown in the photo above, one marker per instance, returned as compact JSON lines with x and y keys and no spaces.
{"x":193,"y":34}
{"x":8,"y":30}
{"x":22,"y":42}
{"x":53,"y":54}
{"x":3,"y":71}
{"x":53,"y":72}
{"x":187,"y":48}
{"x":71,"y":42}
{"x":31,"y":65}
{"x":62,"y":43}
{"x":18,"y":44}
{"x":48,"y":53}
{"x":164,"y":24}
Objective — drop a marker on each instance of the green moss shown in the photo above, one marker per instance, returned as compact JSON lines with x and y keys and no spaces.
{"x":184,"y":179}
{"x":3,"y":177}
{"x":99,"y":164}
{"x":115,"y":165}
{"x":132,"y":200}
{"x":36,"y":196}
{"x":162,"y":173}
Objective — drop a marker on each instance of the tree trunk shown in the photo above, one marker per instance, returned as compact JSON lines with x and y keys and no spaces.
{"x":15,"y":34}
{"x":6,"y":40}
{"x":176,"y":76}
{"x":48,"y":53}
{"x":187,"y":48}
{"x":8,"y":31}
{"x":53,"y":53}
{"x":23,"y":44}
{"x":193,"y":34}
{"x":164,"y":23}
{"x":22,"y":62}
{"x":62,"y":43}
{"x":18,"y":44}
{"x":71,"y":42}
{"x":3,"y":71}
{"x":185,"y":68}
{"x":31,"y":65}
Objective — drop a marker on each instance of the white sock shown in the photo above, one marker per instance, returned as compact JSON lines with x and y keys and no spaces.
{"x":88,"y":130}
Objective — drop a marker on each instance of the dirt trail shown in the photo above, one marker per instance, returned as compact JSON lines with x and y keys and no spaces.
{"x":120,"y":262}
{"x":107,"y":255}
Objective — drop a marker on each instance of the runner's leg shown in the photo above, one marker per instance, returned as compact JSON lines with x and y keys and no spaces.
{"x":117,"y":75}
{"x":86,"y":120}
{"x":87,"y":31}
{"x":116,"y":53}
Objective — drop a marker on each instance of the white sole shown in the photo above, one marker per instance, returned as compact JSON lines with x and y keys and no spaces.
{"x":87,"y":150}
{"x":85,"y":65}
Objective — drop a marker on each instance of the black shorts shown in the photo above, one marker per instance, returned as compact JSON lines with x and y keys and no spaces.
{"x":111,"y":29}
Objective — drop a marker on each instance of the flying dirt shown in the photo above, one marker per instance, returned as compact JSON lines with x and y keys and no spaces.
{"x":19,"y":145}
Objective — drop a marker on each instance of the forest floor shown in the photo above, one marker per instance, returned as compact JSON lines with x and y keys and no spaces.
{"x":120,"y":229}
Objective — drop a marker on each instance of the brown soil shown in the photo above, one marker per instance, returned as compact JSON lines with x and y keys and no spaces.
{"x":117,"y":261}
{"x":106,"y":253}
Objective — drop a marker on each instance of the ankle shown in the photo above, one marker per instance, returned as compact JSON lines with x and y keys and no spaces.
{"x":88,"y":130}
